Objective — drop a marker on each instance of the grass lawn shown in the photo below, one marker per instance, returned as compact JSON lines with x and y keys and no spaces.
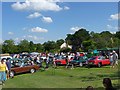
{"x":80,"y":77}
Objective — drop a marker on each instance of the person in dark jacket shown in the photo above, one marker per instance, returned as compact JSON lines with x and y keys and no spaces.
{"x":8,"y":64}
{"x":67,"y":62}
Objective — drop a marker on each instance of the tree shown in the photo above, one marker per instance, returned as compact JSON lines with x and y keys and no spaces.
{"x":9,"y":46}
{"x":77,"y":38}
{"x":49,"y":46}
{"x":59,"y":43}
{"x":24,"y":46}
{"x":32,"y":47}
{"x":89,"y":44}
{"x":65,"y":49}
{"x":103,"y":39}
{"x":0,"y":48}
{"x":95,"y":37}
{"x":117,"y":35}
{"x":39,"y":47}
{"x":106,"y":39}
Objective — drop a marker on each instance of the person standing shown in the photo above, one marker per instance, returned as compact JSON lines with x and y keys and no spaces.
{"x":8,"y":64}
{"x":115,"y":59}
{"x":3,"y":69}
{"x":54,"y":63}
{"x":111,"y":58}
{"x":47,"y":62}
{"x":67,"y":62}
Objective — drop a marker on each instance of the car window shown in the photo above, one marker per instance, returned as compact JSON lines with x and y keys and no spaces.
{"x":92,"y":58}
{"x":16,"y":64}
{"x":100,"y":58}
{"x":103,"y":58}
{"x":25,"y":64}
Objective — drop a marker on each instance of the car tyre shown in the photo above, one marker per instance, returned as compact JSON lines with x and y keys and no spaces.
{"x":32,"y":70}
{"x":12,"y":73}
{"x":99,"y":65}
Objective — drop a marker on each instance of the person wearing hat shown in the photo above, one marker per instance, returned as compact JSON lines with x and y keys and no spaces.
{"x":115,"y":59}
{"x":3,"y":69}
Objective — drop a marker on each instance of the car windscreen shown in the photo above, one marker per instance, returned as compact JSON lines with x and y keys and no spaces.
{"x":92,"y":58}
{"x":59,"y":57}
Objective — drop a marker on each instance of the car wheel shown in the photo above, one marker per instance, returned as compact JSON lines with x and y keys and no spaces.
{"x":32,"y":70}
{"x":99,"y":65}
{"x":80,"y":64}
{"x":12,"y":73}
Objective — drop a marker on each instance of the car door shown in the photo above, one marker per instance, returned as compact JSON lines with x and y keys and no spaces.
{"x":104,"y":60}
{"x":18,"y":69}
{"x":26,"y":67}
{"x":22,"y":68}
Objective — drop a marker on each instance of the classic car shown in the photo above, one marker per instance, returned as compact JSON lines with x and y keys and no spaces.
{"x":98,"y":61}
{"x":61,"y":60}
{"x":79,"y":60}
{"x":22,"y":67}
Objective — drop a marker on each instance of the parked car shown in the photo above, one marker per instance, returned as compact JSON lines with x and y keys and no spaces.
{"x":61,"y":60}
{"x":5,"y":57}
{"x":21,"y":67}
{"x":79,"y":60}
{"x":98,"y":61}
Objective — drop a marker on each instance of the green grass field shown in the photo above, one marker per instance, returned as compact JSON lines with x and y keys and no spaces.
{"x":80,"y":77}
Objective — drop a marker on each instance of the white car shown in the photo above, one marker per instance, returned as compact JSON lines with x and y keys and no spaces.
{"x":5,"y":57}
{"x":43,"y":57}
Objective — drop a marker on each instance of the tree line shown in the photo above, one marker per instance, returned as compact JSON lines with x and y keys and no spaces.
{"x":81,"y":40}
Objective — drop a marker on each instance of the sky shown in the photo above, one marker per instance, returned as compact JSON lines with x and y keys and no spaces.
{"x":43,"y":21}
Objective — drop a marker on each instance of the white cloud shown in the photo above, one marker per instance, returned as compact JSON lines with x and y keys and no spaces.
{"x":33,"y":37}
{"x":47,"y":19}
{"x":66,"y":8}
{"x":75,"y":28}
{"x":30,"y":37}
{"x":38,"y":29}
{"x":10,"y":33}
{"x":115,"y":17}
{"x":37,"y":5}
{"x":111,"y":29}
{"x":21,"y":6}
{"x":34,"y":15}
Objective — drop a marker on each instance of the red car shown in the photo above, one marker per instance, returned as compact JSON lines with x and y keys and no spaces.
{"x":98,"y":61}
{"x":60,"y":60}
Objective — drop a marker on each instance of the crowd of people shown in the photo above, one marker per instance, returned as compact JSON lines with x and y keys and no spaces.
{"x":49,"y":59}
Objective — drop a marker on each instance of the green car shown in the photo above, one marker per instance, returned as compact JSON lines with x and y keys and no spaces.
{"x":80,"y":60}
